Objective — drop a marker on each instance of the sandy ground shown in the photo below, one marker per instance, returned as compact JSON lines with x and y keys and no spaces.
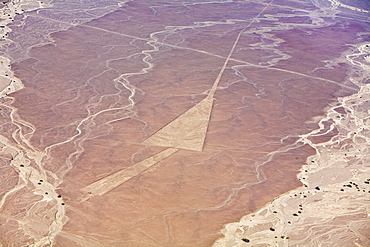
{"x":169,"y":127}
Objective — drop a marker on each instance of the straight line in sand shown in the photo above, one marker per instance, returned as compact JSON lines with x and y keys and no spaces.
{"x":201,"y":51}
{"x":218,"y":78}
{"x":108,"y":183}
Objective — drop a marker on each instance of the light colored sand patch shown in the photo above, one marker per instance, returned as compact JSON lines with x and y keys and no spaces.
{"x":8,"y":82}
{"x":81,"y":240}
{"x":4,"y":82}
{"x":337,"y":3}
{"x":21,"y":161}
{"x":106,"y":184}
{"x":188,"y":131}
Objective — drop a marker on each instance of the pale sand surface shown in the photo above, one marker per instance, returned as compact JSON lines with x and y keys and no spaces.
{"x":156,"y":124}
{"x":108,"y":183}
{"x":341,"y":4}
